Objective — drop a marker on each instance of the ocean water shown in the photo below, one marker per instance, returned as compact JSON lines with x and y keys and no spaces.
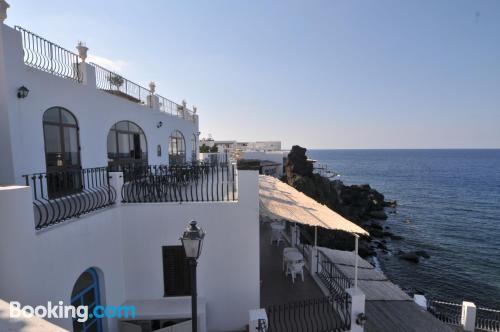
{"x":448,"y":205}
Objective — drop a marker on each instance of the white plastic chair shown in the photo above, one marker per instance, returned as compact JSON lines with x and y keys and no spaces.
{"x":285,"y":251}
{"x":294,"y":269}
{"x":276,"y":236}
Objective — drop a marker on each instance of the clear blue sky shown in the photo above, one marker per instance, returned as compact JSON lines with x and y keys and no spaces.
{"x":322,"y":74}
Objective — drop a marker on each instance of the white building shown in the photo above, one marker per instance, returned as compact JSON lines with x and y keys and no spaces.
{"x":114,"y":234}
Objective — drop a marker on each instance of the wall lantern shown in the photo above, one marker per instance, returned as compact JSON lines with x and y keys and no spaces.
{"x":22,"y":92}
{"x":192,"y":240}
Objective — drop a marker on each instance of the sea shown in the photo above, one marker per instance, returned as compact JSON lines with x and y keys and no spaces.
{"x":448,"y":205}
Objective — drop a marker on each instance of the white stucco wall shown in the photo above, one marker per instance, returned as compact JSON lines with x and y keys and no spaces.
{"x":95,"y":110}
{"x":124,"y":244}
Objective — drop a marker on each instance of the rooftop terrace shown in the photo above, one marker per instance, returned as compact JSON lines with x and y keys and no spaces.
{"x":47,"y":56}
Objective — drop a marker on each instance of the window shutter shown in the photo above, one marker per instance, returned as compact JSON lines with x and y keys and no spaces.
{"x":176,"y":276}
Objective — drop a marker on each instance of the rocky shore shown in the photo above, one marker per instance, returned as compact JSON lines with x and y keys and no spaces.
{"x":360,"y":204}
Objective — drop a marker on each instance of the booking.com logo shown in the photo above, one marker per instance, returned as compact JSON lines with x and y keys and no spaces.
{"x":80,"y":313}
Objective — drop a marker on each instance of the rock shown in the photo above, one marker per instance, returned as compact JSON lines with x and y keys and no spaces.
{"x":387,"y":234}
{"x":375,"y":225}
{"x":391,"y":204}
{"x":422,"y":253}
{"x":410,"y":257}
{"x":382,"y":246}
{"x":376,"y":233}
{"x":365,"y":250}
{"x":397,"y":237}
{"x":297,"y":162}
{"x":378,"y":214}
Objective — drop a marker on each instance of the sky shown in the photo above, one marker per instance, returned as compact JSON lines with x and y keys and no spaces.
{"x":321,"y":74}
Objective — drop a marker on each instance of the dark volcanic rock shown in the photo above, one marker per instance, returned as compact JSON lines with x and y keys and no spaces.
{"x":422,"y":253}
{"x":380,"y":214}
{"x":391,"y":204}
{"x":297,"y":162}
{"x":409,"y":256}
{"x":360,"y":204}
{"x":356,"y":202}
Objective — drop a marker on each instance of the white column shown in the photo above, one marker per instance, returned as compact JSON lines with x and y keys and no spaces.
{"x":357,"y":309}
{"x":87,"y":74}
{"x":313,"y":261}
{"x":295,"y":236}
{"x":253,"y":319}
{"x":468,"y":316}
{"x":153,"y":102}
{"x":116,"y":181}
{"x":356,"y":260}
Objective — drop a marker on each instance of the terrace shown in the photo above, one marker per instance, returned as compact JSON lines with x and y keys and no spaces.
{"x":61,"y":196}
{"x":329,"y":297}
{"x":49,"y":57}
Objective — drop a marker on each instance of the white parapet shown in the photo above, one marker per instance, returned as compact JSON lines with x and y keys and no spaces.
{"x":420,"y":300}
{"x":254,"y":317}
{"x":357,"y":309}
{"x":468,"y":320}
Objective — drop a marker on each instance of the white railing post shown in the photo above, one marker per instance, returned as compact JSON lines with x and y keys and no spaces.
{"x":254,"y":316}
{"x":313,"y":260}
{"x":358,"y":317}
{"x":295,"y":236}
{"x":116,"y":181}
{"x":468,"y":319}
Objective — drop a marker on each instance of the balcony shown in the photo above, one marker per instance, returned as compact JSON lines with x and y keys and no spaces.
{"x":44,"y":55}
{"x":64,"y":195}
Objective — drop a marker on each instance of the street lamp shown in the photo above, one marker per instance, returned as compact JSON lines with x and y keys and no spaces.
{"x":192,"y":241}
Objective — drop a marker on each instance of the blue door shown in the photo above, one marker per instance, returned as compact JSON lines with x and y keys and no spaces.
{"x":86,"y":293}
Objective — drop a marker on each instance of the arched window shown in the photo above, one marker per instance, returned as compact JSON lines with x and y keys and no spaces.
{"x":62,"y":150}
{"x":126,"y":145}
{"x":177,"y":148}
{"x":86,"y":293}
{"x":194,"y":149}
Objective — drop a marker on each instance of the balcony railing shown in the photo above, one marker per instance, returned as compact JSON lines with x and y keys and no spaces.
{"x":117,"y":85}
{"x":59,"y":196}
{"x":193,"y":183}
{"x":49,"y":57}
{"x":324,"y":314}
{"x":488,"y":320}
{"x":44,"y":55}
{"x":447,"y":312}
{"x":334,"y":280}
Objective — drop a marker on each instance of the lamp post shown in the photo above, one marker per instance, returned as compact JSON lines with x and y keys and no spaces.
{"x":192,"y":241}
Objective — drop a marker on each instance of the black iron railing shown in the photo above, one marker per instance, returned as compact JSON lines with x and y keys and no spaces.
{"x":47,"y":56}
{"x":447,"y":312}
{"x":190,"y":183}
{"x":330,"y":314}
{"x":261,"y":325}
{"x":117,"y":85}
{"x":59,"y":196}
{"x":330,"y":275}
{"x":487,"y":319}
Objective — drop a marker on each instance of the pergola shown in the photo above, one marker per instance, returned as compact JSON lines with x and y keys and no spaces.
{"x":278,"y":200}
